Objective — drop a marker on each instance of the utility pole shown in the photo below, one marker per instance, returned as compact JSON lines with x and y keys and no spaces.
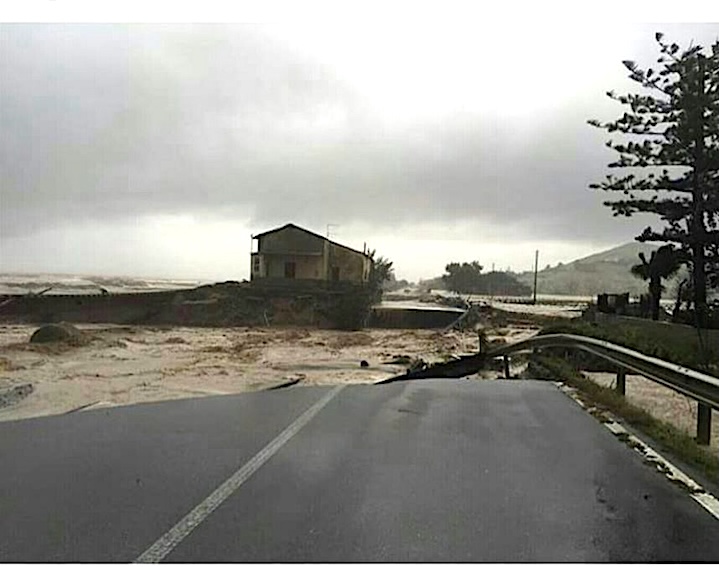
{"x":491,"y":287}
{"x":536,"y":264}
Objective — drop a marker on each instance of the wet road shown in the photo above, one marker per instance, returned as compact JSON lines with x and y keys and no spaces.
{"x":433,"y":470}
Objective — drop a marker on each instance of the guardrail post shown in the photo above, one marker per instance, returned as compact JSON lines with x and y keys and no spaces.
{"x":704,"y":424}
{"x":621,"y":381}
{"x":505,"y":359}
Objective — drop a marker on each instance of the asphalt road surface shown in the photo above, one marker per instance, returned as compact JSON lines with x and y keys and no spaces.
{"x":432,"y":470}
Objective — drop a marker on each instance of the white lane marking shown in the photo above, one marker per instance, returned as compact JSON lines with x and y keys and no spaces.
{"x":698,"y":493}
{"x":709,"y":503}
{"x":615,"y":428}
{"x":163,"y":546}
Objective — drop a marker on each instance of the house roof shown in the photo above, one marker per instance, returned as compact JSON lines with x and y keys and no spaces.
{"x":291,"y":225}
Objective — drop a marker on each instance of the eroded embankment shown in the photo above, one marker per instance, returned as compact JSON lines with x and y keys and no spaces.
{"x":224,"y":304}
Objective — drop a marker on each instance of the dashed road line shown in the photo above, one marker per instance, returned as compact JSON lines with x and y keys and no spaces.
{"x":174,"y":536}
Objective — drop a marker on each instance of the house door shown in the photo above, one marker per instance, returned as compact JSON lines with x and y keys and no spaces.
{"x":290,"y":270}
{"x":335,"y":275}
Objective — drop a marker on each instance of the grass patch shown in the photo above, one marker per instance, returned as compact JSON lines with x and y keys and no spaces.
{"x":501,"y":317}
{"x":666,"y":343}
{"x":670,"y":438}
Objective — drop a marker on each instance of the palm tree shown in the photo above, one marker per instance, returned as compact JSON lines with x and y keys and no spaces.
{"x":663,"y":263}
{"x":381,"y":270}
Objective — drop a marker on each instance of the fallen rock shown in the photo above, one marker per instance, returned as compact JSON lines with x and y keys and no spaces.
{"x":58,"y":332}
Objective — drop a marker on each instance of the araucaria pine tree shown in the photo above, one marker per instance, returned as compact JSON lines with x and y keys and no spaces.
{"x":670,"y":160}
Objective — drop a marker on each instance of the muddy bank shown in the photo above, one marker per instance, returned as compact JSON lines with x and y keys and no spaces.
{"x":217,"y":305}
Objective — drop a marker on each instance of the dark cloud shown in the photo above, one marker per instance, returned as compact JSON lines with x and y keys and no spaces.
{"x":110,"y":122}
{"x":118,"y":121}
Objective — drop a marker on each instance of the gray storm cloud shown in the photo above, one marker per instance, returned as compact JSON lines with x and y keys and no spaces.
{"x":109,"y":122}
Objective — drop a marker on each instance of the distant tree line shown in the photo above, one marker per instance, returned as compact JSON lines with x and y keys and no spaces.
{"x":467,"y":277}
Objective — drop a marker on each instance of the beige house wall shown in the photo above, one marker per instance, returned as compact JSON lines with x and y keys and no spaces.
{"x":315,"y":258}
{"x":352,"y":265}
{"x":306,"y":267}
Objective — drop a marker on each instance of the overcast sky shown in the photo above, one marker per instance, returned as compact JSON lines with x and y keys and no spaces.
{"x":158,"y":149}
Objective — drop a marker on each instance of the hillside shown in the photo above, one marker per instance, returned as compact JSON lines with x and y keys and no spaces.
{"x":604,"y":272}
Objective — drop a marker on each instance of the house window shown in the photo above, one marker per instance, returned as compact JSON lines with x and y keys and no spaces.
{"x":256,"y":264}
{"x":290,"y":270}
{"x":335,"y":275}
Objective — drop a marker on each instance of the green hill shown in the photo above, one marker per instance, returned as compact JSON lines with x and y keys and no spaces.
{"x":604,"y":272}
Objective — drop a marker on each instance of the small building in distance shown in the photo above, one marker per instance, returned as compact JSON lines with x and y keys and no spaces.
{"x":291,"y":253}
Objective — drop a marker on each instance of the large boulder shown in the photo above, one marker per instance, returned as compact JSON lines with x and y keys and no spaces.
{"x":58,"y":333}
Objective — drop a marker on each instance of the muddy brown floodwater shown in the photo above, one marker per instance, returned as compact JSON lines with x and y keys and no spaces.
{"x":660,"y":402}
{"x":124,"y":365}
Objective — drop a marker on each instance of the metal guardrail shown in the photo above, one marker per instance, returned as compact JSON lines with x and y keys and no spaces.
{"x":699,"y":386}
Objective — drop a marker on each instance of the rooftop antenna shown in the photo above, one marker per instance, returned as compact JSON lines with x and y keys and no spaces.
{"x":330,"y":226}
{"x":536,"y":263}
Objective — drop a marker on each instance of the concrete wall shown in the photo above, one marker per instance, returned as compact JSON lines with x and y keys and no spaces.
{"x":353,"y":266}
{"x":382,"y":318}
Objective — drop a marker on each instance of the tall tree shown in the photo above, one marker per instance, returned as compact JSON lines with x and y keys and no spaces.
{"x":663,"y":263}
{"x":381,"y":270}
{"x":675,"y":168}
{"x":468,"y":278}
{"x":462,"y":278}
